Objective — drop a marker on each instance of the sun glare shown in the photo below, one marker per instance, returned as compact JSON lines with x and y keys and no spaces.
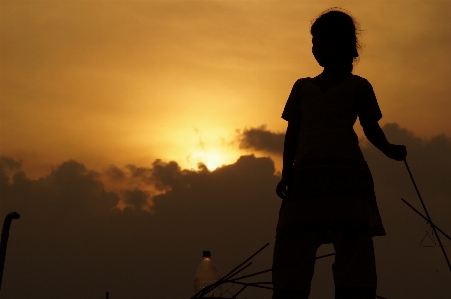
{"x":212,"y":158}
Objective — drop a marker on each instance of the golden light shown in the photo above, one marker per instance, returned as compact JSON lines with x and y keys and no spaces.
{"x":212,"y":158}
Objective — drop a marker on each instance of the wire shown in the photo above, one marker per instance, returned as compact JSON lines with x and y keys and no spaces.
{"x":427,"y":215}
{"x":422,"y":216}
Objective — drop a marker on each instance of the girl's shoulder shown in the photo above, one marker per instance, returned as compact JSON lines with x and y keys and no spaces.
{"x":360,"y":80}
{"x":355,"y":82}
{"x":355,"y":78}
{"x":300,"y":81}
{"x":361,"y":83}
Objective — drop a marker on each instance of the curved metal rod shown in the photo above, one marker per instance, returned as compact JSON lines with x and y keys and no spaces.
{"x":4,"y":241}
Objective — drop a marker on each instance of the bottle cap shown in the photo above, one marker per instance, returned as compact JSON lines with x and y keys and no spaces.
{"x":206,"y":253}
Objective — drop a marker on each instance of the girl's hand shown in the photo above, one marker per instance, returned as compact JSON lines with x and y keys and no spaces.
{"x":396,"y":152}
{"x":283,"y":188}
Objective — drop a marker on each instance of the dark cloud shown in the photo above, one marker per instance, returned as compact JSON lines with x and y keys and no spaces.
{"x":261,"y":139}
{"x":167,"y":175}
{"x":7,"y":163}
{"x":8,"y":166}
{"x":136,"y":198}
{"x":72,"y":241}
{"x":115,"y":173}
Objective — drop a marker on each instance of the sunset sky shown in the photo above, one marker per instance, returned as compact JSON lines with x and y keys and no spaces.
{"x":131,"y":81}
{"x":107,"y":93}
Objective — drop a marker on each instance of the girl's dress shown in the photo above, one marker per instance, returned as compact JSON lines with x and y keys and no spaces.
{"x":333,"y":188}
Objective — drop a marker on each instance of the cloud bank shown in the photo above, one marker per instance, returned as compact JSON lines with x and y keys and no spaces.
{"x":72,"y":240}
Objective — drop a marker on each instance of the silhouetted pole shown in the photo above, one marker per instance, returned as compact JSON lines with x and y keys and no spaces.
{"x":107,"y":295}
{"x":4,"y":240}
{"x":428,"y":217}
{"x":422,"y":216}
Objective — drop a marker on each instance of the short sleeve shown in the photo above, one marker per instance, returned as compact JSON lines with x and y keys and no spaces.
{"x":292,"y":110}
{"x":367,"y":107}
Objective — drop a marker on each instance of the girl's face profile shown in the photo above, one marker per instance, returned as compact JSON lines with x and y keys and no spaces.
{"x":330,"y":50}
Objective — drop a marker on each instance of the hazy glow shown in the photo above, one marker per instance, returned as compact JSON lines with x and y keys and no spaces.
{"x":213,"y":146}
{"x":115,"y":82}
{"x":211,"y":158}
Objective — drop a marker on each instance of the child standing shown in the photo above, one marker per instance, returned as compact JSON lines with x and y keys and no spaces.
{"x":326,"y":187}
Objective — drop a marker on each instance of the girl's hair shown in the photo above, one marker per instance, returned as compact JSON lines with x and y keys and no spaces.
{"x":336,"y":22}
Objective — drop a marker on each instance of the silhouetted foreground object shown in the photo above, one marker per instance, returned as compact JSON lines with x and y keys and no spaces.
{"x":206,"y":275}
{"x":327,"y":188}
{"x":231,"y":276}
{"x":4,"y":241}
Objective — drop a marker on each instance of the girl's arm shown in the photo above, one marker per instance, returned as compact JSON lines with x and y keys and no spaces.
{"x":289,"y":152}
{"x":289,"y":149}
{"x":376,"y":136}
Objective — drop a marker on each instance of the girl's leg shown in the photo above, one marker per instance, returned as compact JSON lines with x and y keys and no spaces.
{"x":294,"y":264}
{"x":354,"y":269}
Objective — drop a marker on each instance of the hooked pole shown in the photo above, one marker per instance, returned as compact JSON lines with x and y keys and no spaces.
{"x":4,"y":241}
{"x":427,"y":215}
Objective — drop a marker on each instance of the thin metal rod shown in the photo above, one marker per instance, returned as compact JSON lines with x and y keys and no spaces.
{"x":227,"y":276}
{"x":242,"y":289}
{"x":232,"y":284}
{"x":263,"y":282}
{"x":428,"y":217}
{"x":221,"y":281}
{"x":432,"y":224}
{"x":256,"y":285}
{"x":418,"y":192}
{"x":250,"y":284}
{"x":206,"y":289}
{"x":269,"y":270}
{"x":240,"y":270}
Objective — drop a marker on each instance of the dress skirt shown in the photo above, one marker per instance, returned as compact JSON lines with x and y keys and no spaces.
{"x":330,"y":194}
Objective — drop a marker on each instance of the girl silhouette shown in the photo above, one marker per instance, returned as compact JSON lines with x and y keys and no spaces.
{"x":326,"y":187}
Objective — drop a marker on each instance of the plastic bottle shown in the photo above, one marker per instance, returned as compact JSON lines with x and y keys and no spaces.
{"x":206,"y":275}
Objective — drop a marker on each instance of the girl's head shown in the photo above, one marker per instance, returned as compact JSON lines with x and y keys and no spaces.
{"x":334,"y":38}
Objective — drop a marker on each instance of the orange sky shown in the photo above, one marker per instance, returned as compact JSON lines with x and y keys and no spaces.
{"x":118,"y":82}
{"x":115,"y":85}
